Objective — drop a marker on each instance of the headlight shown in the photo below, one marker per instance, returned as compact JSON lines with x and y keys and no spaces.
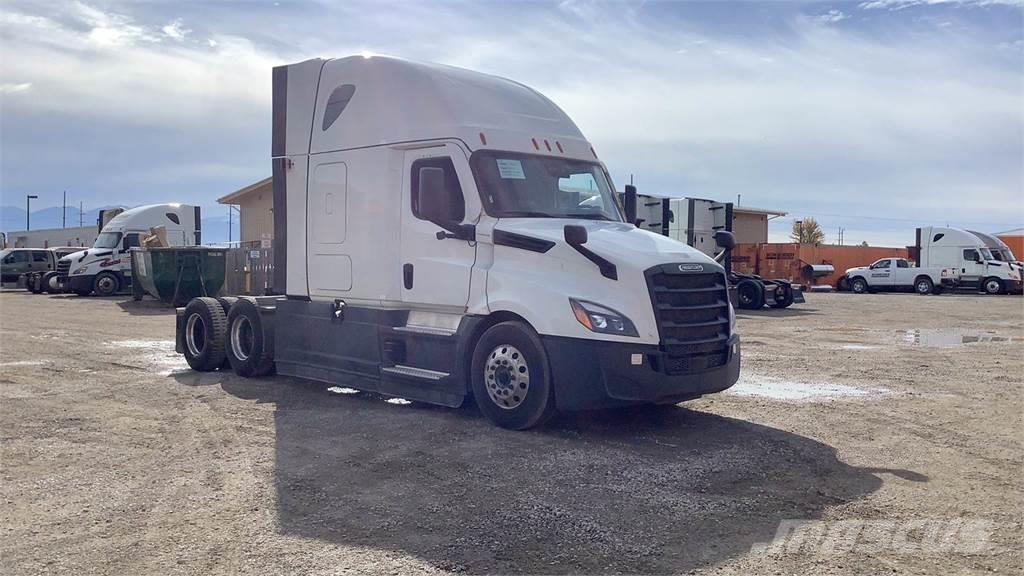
{"x":597,"y":318}
{"x":81,"y":270}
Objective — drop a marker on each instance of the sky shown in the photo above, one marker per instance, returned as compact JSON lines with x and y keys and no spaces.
{"x":875,"y":116}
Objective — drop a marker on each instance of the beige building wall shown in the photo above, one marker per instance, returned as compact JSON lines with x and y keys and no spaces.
{"x":257,"y":215}
{"x":750,"y":228}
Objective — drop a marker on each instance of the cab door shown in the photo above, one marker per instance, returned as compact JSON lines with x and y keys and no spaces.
{"x":881,"y":273}
{"x":436,"y":269}
{"x":971,"y":270}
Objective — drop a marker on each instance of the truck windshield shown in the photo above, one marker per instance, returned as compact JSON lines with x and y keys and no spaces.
{"x":514,"y":185}
{"x":107,"y":240}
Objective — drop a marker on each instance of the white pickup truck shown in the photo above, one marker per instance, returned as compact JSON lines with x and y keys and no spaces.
{"x":898,"y":274}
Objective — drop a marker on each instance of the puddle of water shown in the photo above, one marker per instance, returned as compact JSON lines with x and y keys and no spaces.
{"x":340,"y":390}
{"x":952,"y":337}
{"x":779,"y":389}
{"x":398,"y":401}
{"x":157,"y":354}
{"x":858,"y":347}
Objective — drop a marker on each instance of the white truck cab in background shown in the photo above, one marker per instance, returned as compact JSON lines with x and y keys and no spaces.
{"x":441,"y":234}
{"x":889,"y":274}
{"x":967,"y":252}
{"x":105,"y":268}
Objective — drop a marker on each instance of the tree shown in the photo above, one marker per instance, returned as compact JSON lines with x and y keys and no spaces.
{"x":807,"y":231}
{"x":864,"y":243}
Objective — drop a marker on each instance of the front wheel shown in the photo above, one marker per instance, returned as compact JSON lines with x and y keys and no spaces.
{"x":992,"y":286}
{"x":859,"y":286}
{"x":106,"y":284}
{"x":511,"y":379}
{"x":924,"y":286}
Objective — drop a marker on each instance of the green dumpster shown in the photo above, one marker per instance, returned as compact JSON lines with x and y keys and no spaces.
{"x":177,"y":274}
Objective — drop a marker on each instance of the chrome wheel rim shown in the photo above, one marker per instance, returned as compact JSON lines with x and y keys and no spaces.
{"x":923,"y":287}
{"x":506,"y":376}
{"x":858,"y":287}
{"x":241,"y":338}
{"x":105,"y":284}
{"x":992,"y":286}
{"x":193,"y":341}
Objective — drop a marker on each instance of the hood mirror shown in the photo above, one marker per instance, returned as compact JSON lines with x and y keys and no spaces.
{"x":575,"y":235}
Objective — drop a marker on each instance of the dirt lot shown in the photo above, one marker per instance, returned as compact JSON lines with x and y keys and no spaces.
{"x":118,"y":460}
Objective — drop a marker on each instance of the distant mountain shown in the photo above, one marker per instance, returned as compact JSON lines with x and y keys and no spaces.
{"x":12,"y":218}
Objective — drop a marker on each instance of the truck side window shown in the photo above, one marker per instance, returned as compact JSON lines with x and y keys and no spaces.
{"x":19,"y":256}
{"x":971,"y":255}
{"x":880,"y":264}
{"x":131,"y":241}
{"x":902,"y":264}
{"x":454,"y":209}
{"x":39,"y":256}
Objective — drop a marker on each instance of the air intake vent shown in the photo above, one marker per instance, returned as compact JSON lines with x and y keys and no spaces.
{"x":691,"y":305}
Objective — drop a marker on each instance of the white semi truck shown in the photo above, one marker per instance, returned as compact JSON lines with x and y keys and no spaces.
{"x":441,"y":234}
{"x":106,"y":269}
{"x":976,"y":266}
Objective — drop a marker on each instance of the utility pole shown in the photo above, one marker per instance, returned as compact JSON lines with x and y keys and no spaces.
{"x":79,"y":213}
{"x":28,"y":210}
{"x":738,"y":196}
{"x":64,"y":211}
{"x":230,"y":222}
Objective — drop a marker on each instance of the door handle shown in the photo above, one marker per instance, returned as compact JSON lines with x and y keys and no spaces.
{"x":407,"y":272}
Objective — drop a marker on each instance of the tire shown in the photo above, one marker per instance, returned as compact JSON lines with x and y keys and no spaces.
{"x":992,"y":286}
{"x":843,"y":285}
{"x":859,"y":286}
{"x":511,"y":379}
{"x":250,"y":339}
{"x":750,"y":294}
{"x":47,"y":283}
{"x":32,"y":283}
{"x":924,"y":286}
{"x":787,"y":298}
{"x":106,"y":284}
{"x":205,"y":325}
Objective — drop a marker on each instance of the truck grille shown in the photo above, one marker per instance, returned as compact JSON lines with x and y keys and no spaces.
{"x":692,"y":311}
{"x":63,"y":270}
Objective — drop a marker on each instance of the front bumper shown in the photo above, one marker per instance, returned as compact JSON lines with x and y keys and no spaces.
{"x":80,"y":283}
{"x":590,"y":374}
{"x":1014,"y":286}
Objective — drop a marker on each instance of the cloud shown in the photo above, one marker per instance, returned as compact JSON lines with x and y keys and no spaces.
{"x":901,"y":4}
{"x":832,"y":16}
{"x":175,"y":31}
{"x":8,"y":88}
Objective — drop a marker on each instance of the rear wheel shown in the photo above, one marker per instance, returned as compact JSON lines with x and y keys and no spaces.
{"x":510,"y":377}
{"x":106,"y":284}
{"x":750,"y":294}
{"x":859,"y":286}
{"x":205,"y":326}
{"x":32,"y":282}
{"x":992,"y":286}
{"x":250,"y":340}
{"x":785,"y":300}
{"x":924,"y":286}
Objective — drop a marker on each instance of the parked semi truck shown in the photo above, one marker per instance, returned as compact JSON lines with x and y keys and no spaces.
{"x":105,"y":268}
{"x":695,"y":222}
{"x":976,"y":266}
{"x":441,"y":234}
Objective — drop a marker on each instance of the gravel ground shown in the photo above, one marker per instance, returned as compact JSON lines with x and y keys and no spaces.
{"x":116,"y":459}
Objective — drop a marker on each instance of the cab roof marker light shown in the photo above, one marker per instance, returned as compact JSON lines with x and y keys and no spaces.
{"x":535,"y":146}
{"x":559,"y":145}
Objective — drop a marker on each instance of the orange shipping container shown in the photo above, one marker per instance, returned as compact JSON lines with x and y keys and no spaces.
{"x":789,"y":261}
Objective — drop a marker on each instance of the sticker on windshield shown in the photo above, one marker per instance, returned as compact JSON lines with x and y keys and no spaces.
{"x":510,"y":169}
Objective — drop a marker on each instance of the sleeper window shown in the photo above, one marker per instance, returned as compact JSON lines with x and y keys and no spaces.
{"x":452,"y":205}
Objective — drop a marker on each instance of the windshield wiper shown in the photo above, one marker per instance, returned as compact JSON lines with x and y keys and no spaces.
{"x":588,"y":216}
